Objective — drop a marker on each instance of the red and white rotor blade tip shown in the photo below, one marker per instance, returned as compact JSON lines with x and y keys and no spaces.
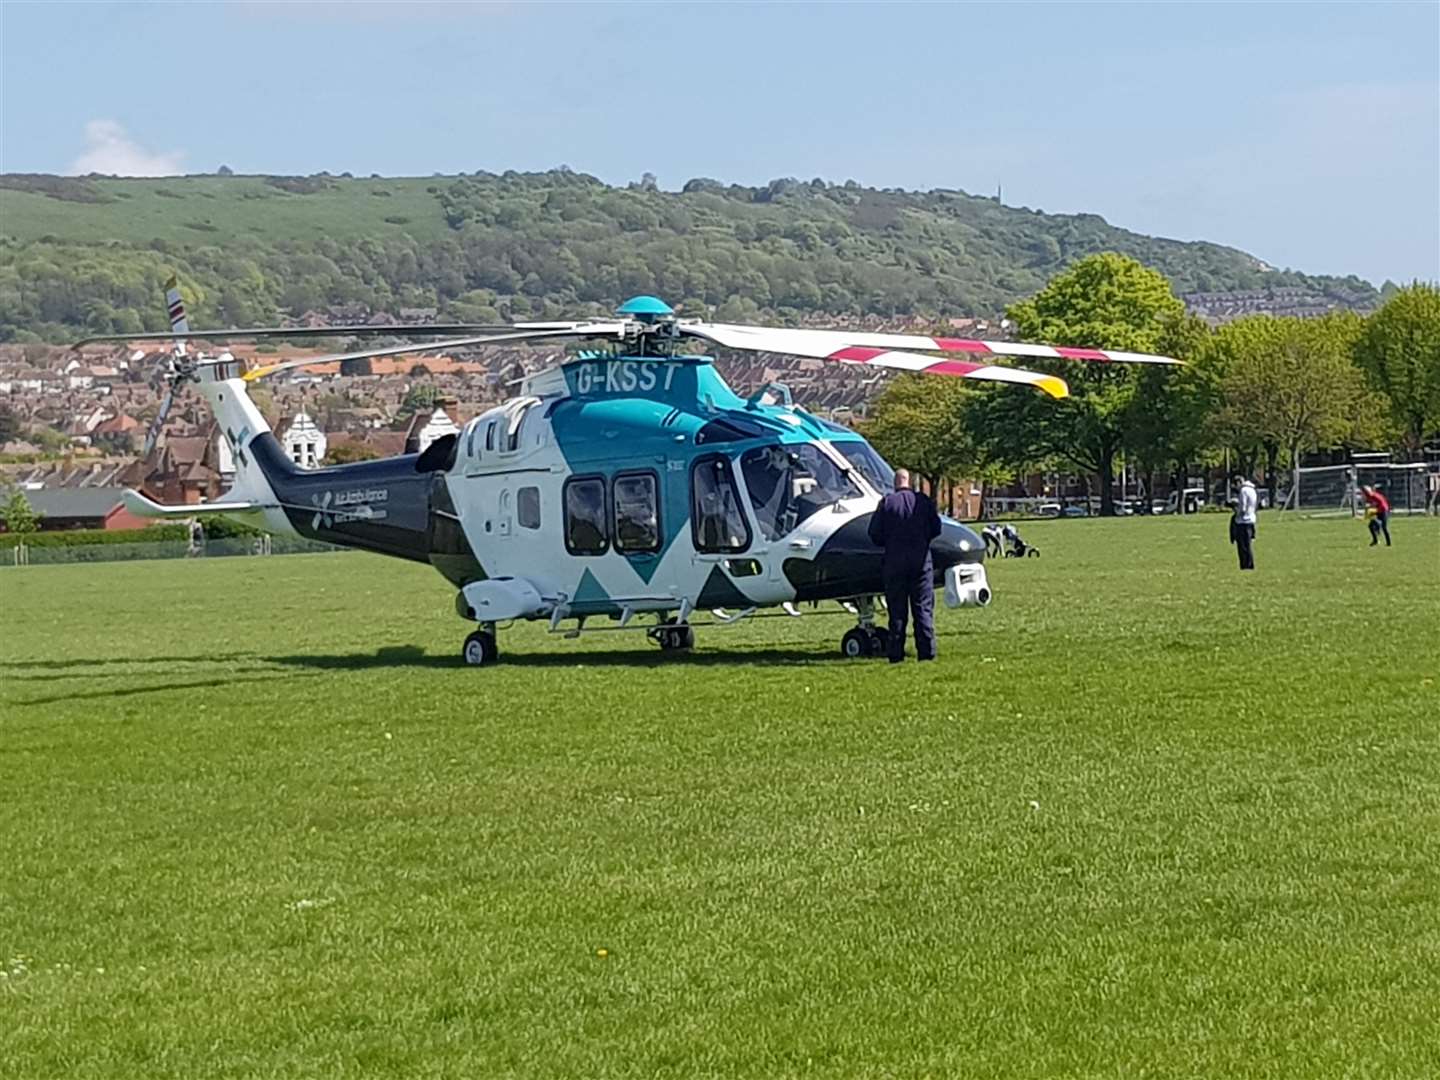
{"x":822,"y":345}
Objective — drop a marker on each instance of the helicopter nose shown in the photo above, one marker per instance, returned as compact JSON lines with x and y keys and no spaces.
{"x":847,"y":564}
{"x":955,"y":544}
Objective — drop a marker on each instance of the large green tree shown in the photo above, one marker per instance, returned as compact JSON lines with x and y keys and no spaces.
{"x":1107,"y":301}
{"x":919,"y":422}
{"x":1287,"y":386}
{"x":1400,"y":351}
{"x":915,"y":424}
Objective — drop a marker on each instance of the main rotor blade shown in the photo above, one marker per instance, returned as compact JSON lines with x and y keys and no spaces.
{"x":158,"y":423}
{"x":815,"y":345}
{"x":541,"y":332}
{"x":260,"y":332}
{"x":787,"y":340}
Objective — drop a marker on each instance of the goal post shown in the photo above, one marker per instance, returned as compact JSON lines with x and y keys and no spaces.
{"x":1321,"y":491}
{"x":1335,"y":490}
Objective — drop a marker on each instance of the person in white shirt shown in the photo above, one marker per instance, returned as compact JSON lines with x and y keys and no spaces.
{"x":1242,"y":523}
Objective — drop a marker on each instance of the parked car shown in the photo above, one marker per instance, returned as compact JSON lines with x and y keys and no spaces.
{"x":1194,"y":500}
{"x":1074,"y":512}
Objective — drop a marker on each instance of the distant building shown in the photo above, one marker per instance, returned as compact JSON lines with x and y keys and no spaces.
{"x":303,"y":441}
{"x":426,"y":427}
{"x":82,"y":508}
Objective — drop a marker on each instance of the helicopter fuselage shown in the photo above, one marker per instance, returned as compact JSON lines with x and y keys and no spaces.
{"x":614,"y":485}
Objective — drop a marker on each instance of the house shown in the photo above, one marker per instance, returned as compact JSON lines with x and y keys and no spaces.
{"x":303,"y":441}
{"x":82,"y":508}
{"x":119,"y":432}
{"x":427,"y":426}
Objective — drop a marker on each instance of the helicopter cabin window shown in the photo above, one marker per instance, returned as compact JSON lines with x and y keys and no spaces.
{"x":470,"y":439}
{"x":637,"y":512}
{"x":490,"y":435}
{"x":585,"y":516}
{"x":527,"y":507}
{"x":789,"y":483}
{"x":717,"y":520}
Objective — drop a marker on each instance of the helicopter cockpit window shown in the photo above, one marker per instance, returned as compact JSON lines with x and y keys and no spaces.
{"x":869,"y":464}
{"x":716,"y":516}
{"x":789,"y":483}
{"x":637,"y":512}
{"x":585,"y":516}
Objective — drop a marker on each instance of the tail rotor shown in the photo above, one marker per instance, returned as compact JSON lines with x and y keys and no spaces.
{"x":178,"y":370}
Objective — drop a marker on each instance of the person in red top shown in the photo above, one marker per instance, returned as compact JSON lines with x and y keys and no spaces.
{"x":1376,"y":502}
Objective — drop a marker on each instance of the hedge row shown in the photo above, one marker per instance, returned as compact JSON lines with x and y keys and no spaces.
{"x":87,"y":537}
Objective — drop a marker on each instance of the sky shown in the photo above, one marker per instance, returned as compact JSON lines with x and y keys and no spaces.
{"x":1306,"y":134}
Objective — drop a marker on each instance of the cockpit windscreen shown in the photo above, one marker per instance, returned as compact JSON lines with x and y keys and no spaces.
{"x":869,"y":464}
{"x":789,"y":483}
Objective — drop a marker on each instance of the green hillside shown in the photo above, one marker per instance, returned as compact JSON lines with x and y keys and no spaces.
{"x":91,"y":253}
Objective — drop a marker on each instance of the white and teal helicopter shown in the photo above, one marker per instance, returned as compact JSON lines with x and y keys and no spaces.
{"x":629,"y":486}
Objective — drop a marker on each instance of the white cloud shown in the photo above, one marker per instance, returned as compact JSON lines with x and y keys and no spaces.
{"x":110,"y":150}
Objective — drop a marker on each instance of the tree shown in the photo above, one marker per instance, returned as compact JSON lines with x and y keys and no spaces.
{"x":916,"y":424}
{"x":420,"y":396}
{"x":919,"y":422}
{"x":349,"y":452}
{"x":1399,"y":349}
{"x":20,"y":516}
{"x":1106,"y":301}
{"x":1288,"y":385}
{"x":1165,"y":425}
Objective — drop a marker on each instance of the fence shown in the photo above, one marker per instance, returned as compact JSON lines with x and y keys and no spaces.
{"x":36,"y":555}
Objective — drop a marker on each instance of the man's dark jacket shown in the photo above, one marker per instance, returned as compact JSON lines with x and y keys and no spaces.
{"x":904,"y":525}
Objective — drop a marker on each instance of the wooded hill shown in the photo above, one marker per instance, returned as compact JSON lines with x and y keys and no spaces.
{"x":92,"y":253}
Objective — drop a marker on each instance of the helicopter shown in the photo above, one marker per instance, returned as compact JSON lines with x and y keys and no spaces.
{"x":627,"y":486}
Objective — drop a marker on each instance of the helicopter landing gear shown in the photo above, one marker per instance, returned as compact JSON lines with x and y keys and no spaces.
{"x":480,"y":647}
{"x":867,"y":639}
{"x":672,"y":636}
{"x":863,"y":641}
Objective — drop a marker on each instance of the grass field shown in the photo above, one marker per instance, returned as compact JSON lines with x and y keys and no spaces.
{"x":1145,"y":817}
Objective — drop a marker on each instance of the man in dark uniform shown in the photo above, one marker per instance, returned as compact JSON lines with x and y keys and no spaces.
{"x":904,"y":524}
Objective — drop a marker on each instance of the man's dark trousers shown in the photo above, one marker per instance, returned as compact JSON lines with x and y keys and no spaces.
{"x":911,"y":590}
{"x":903,"y":525}
{"x":1244,"y":544}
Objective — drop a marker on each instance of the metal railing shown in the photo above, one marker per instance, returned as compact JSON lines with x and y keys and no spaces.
{"x":229,"y":547}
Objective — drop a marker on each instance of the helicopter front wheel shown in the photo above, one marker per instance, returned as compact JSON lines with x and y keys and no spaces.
{"x":672,"y":637}
{"x":480,"y":648}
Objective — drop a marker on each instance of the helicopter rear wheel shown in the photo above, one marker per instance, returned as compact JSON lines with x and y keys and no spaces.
{"x":480,"y":649}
